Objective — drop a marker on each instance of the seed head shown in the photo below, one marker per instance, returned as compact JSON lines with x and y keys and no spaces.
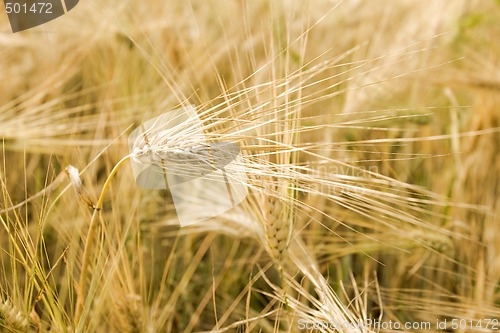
{"x":76,"y":182}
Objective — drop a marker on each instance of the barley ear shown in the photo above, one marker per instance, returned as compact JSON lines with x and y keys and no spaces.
{"x":12,"y":318}
{"x":277,"y":227}
{"x":278,"y":220}
{"x":128,"y":315}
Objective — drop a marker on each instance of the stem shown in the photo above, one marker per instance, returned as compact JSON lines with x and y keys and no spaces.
{"x":90,"y":239}
{"x":283,"y":286}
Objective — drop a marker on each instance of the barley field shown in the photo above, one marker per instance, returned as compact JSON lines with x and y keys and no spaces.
{"x":355,"y":189}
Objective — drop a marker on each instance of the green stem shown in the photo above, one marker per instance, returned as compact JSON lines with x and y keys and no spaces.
{"x":90,"y":239}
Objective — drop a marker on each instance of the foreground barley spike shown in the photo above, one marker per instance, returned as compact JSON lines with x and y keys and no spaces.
{"x":205,"y":175}
{"x":181,"y":154}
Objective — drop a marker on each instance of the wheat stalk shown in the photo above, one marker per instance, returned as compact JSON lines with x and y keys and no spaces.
{"x":89,"y":242}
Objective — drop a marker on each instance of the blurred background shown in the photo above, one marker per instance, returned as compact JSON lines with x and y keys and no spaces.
{"x":408,"y":89}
